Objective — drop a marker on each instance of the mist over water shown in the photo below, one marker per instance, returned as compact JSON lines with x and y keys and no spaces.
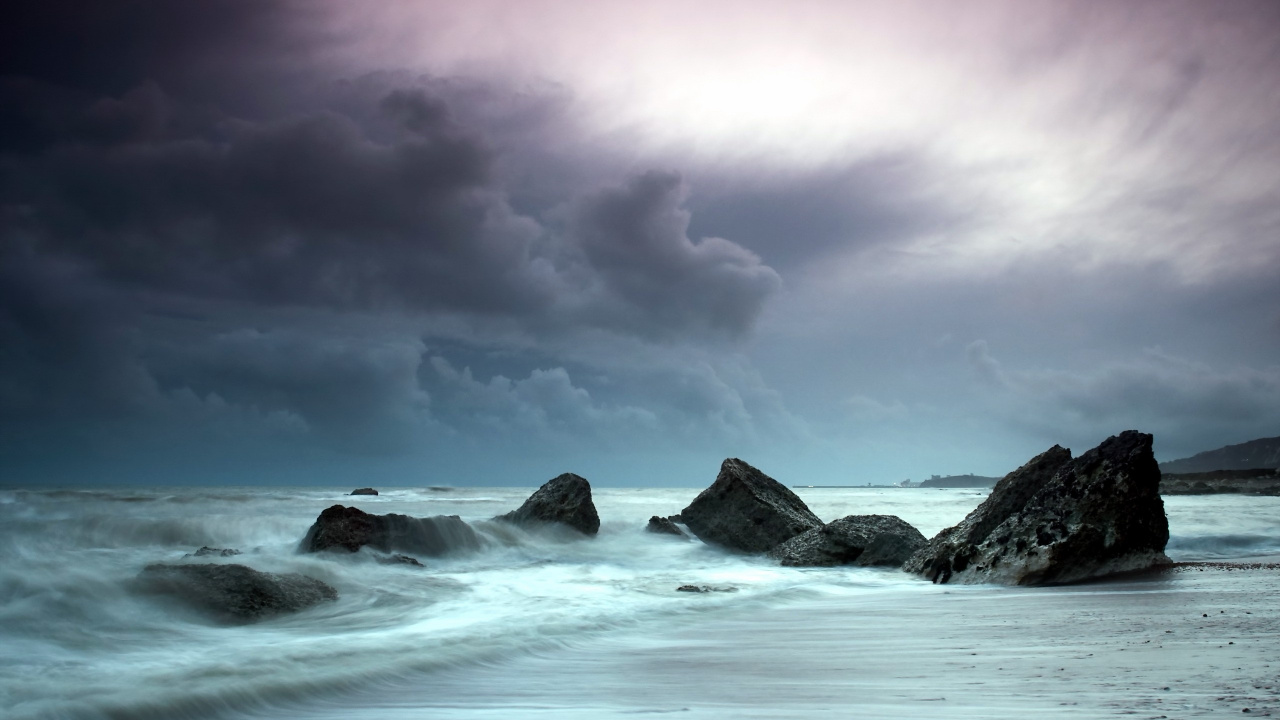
{"x":77,"y":638}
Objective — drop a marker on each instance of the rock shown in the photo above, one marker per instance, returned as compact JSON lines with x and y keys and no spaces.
{"x":400,"y":560}
{"x":1058,"y":520}
{"x":364,"y":491}
{"x":235,"y":592}
{"x":704,"y":589}
{"x":664,"y":526}
{"x":879,"y":540}
{"x":746,"y":510}
{"x":348,"y":528}
{"x":565,"y":499}
{"x":206,"y":551}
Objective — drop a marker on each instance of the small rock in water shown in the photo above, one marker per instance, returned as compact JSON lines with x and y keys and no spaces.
{"x":235,"y":592}
{"x":868,"y":540}
{"x":704,"y":589}
{"x":348,"y":528}
{"x":664,"y":526}
{"x":400,"y":560}
{"x":216,"y":552}
{"x":364,"y":491}
{"x":565,"y":499}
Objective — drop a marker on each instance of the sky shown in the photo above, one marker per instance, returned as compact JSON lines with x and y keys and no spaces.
{"x":484,"y":243}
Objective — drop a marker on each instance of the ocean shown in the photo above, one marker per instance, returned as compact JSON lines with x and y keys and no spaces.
{"x":552,"y":624}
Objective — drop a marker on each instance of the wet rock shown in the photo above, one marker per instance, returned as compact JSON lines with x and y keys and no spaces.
{"x":869,"y":540}
{"x":1058,"y":520}
{"x":347,"y":528}
{"x":664,"y":526}
{"x":234,"y":592}
{"x":746,"y":510}
{"x":364,"y":491}
{"x":400,"y":560}
{"x":207,"y":551}
{"x":704,"y":589}
{"x":565,"y":499}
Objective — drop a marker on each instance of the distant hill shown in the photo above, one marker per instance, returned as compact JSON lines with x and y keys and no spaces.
{"x":1262,"y":453}
{"x":959,"y":481}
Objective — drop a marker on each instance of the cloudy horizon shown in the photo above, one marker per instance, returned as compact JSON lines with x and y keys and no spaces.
{"x":433,"y":243}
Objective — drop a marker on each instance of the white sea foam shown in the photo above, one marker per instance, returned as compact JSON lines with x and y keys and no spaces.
{"x":77,"y":641}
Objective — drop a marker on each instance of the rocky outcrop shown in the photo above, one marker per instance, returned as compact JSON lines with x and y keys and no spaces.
{"x":565,"y":500}
{"x":746,"y":510}
{"x":870,"y":540}
{"x":1058,"y":520}
{"x":364,"y":491}
{"x":664,"y":526}
{"x":1258,"y":481}
{"x":234,"y":592}
{"x":207,"y":551}
{"x":347,"y":528}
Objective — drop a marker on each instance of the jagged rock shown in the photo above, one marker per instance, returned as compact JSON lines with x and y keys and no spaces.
{"x":879,"y":540}
{"x":1058,"y":520}
{"x":206,"y":551}
{"x":364,"y":491}
{"x":704,"y":589}
{"x":565,"y":499}
{"x":664,"y":526}
{"x":746,"y":510}
{"x":235,"y":592}
{"x":348,"y":528}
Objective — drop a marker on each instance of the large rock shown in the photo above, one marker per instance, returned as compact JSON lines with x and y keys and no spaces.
{"x":565,"y":499}
{"x":1058,"y":520}
{"x":746,"y":510}
{"x":235,"y":592}
{"x":347,"y":528}
{"x":364,"y":491}
{"x":872,"y":540}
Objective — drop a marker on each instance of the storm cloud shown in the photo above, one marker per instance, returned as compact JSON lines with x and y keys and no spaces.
{"x":300,"y":240}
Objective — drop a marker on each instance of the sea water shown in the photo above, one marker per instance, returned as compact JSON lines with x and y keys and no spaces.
{"x":77,"y":640}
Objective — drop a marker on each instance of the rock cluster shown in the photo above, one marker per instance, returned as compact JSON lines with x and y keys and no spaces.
{"x":1058,"y":520}
{"x":348,"y":528}
{"x":869,"y":540}
{"x":364,"y":491}
{"x":748,"y":511}
{"x":565,"y":499}
{"x":234,"y":592}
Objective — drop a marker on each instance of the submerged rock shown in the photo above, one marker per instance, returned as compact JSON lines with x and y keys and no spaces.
{"x":347,"y":528}
{"x":565,"y":499}
{"x":207,"y":551}
{"x":746,"y":510}
{"x":235,"y":592}
{"x":664,"y":526}
{"x":1058,"y":520}
{"x":704,"y":589}
{"x":879,"y":540}
{"x":364,"y":491}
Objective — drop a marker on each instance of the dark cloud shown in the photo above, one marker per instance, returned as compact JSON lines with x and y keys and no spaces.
{"x":636,"y":239}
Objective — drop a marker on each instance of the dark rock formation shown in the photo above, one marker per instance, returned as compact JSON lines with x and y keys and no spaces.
{"x":883,"y":540}
{"x":207,"y":551}
{"x":364,"y":491}
{"x":565,"y":499}
{"x":1260,"y":453}
{"x":400,"y":560}
{"x":704,"y":589}
{"x":234,"y":592}
{"x":746,"y":510}
{"x":347,"y":528}
{"x":1057,"y":520}
{"x":664,"y":526}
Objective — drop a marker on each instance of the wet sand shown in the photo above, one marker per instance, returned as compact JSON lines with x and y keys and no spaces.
{"x":1197,"y":640}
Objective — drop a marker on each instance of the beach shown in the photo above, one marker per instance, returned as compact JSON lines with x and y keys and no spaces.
{"x":544,"y":626}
